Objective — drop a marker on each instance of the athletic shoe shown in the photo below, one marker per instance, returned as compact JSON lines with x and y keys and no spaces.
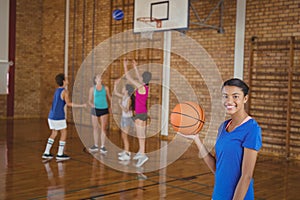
{"x":103,"y":150}
{"x":62,"y":157}
{"x":142,"y":160}
{"x":47,"y":156}
{"x":94,"y":148}
{"x":125,"y":156}
{"x":123,"y":152}
{"x":137,"y":156}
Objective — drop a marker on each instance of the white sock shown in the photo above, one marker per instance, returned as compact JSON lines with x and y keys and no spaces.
{"x":61,"y":148}
{"x":48,"y":146}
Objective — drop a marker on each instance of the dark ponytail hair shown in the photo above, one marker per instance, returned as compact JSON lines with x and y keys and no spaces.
{"x":238,"y":83}
{"x":94,"y":80}
{"x":130,"y":90}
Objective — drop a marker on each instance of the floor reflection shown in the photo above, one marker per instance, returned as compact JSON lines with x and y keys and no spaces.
{"x":56,"y":186}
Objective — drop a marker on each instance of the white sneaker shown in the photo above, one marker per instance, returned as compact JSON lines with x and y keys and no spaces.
{"x":94,"y":148}
{"x":47,"y":156}
{"x":142,"y":160}
{"x":103,"y":150}
{"x":125,"y":156}
{"x":137,"y":156}
{"x":62,"y":157}
{"x":121,"y":153}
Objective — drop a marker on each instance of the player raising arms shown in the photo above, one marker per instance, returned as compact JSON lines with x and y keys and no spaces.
{"x":140,"y":118}
{"x":127,"y":106}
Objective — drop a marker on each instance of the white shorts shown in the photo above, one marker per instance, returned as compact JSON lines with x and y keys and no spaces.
{"x":57,"y":124}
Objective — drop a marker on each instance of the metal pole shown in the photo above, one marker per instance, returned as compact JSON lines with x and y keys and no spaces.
{"x":166,"y":83}
{"x":67,"y":37}
{"x":289,"y":100}
{"x":239,"y":39}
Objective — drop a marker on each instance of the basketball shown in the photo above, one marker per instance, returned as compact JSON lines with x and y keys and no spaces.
{"x":187,"y":118}
{"x":118,"y":14}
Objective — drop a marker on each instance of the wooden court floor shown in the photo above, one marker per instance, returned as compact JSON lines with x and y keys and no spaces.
{"x":23,"y":175}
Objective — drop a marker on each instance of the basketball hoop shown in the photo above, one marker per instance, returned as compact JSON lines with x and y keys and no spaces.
{"x":152,"y":22}
{"x":149,"y":21}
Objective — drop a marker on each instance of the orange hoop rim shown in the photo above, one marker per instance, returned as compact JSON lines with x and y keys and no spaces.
{"x":150,"y":19}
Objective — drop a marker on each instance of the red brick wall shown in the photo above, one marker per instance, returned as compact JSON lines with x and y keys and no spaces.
{"x":28,"y":63}
{"x":52,"y":50}
{"x":271,"y":20}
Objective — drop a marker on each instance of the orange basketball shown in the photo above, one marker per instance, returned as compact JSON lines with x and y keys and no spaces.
{"x":187,"y":118}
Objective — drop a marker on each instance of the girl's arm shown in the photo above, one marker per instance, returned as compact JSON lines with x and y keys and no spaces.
{"x":115,"y":89}
{"x":91,"y":97}
{"x":128,"y":77}
{"x":137,"y":71}
{"x":248,"y":165}
{"x":204,"y":153}
{"x":108,"y":95}
{"x":65,"y":96}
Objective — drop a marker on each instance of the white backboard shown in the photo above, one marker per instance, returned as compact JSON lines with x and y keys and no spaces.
{"x":4,"y":78}
{"x":160,"y":15}
{"x":4,"y":38}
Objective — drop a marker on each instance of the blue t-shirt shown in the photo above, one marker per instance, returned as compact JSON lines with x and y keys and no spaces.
{"x":57,"y":111}
{"x":229,"y":157}
{"x":100,"y":100}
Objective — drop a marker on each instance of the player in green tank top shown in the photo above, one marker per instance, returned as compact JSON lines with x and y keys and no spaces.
{"x":99,"y":98}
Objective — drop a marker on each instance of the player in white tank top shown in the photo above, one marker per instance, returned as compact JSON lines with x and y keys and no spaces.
{"x":125,"y":100}
{"x":127,"y":105}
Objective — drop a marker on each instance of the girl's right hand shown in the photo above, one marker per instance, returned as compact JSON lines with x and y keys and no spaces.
{"x":134,"y":63}
{"x":91,"y":105}
{"x":117,"y":81}
{"x":125,"y":61}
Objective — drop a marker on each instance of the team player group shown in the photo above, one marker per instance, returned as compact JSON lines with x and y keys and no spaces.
{"x":133,"y":104}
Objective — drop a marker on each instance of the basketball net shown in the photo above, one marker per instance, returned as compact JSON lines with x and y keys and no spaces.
{"x":152,"y":22}
{"x":147,"y":35}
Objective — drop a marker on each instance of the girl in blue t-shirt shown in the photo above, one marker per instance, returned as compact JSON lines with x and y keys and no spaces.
{"x":238,"y":142}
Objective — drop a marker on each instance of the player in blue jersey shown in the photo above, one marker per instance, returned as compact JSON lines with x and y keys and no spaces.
{"x":57,"y":120}
{"x":99,"y":98}
{"x":238,"y":142}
